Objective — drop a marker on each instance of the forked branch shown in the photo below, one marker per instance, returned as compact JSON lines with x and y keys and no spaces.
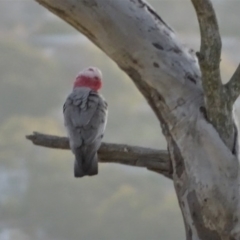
{"x":152,"y":159}
{"x":218,"y":108}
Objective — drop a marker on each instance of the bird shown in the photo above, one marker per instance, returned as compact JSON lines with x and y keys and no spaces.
{"x":85,"y":117}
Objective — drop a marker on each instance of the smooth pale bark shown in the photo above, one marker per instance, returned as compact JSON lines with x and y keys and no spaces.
{"x":205,"y":172}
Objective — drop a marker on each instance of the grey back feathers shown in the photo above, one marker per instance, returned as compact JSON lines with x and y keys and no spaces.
{"x":85,"y":118}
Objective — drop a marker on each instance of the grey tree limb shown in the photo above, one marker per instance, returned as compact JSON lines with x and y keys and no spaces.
{"x":218,"y":106}
{"x":152,"y":159}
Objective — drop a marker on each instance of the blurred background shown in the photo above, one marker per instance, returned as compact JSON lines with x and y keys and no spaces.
{"x":40,"y":56}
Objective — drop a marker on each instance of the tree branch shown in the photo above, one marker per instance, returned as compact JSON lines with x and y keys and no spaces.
{"x":210,"y":52}
{"x":233,"y":86}
{"x":217,"y":107}
{"x":152,"y":159}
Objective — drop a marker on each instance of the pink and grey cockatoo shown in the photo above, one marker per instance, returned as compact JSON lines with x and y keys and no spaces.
{"x":85,"y":118}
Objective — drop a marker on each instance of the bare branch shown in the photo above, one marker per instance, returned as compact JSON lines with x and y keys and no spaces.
{"x":217,"y":107}
{"x":233,"y":86}
{"x":152,"y":159}
{"x":210,"y":52}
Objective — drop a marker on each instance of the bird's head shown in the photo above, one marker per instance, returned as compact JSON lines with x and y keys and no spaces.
{"x":90,"y":77}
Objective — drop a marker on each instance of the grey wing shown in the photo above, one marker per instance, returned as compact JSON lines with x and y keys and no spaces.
{"x":84,"y":117}
{"x":81,"y":104}
{"x":96,"y":127}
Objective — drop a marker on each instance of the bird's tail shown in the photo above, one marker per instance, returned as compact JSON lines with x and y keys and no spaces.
{"x":85,"y":164}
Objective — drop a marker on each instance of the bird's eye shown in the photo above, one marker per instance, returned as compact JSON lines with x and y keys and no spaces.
{"x":95,"y":78}
{"x":90,"y":69}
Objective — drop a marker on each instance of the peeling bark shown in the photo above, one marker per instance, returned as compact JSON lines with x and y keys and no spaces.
{"x":200,"y":134}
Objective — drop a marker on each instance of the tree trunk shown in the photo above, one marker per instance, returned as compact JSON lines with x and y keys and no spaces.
{"x":192,"y":105}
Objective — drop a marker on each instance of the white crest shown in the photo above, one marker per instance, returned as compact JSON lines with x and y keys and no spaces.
{"x":91,"y":72}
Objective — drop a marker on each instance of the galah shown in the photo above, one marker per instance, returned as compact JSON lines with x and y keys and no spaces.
{"x":85,"y":118}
